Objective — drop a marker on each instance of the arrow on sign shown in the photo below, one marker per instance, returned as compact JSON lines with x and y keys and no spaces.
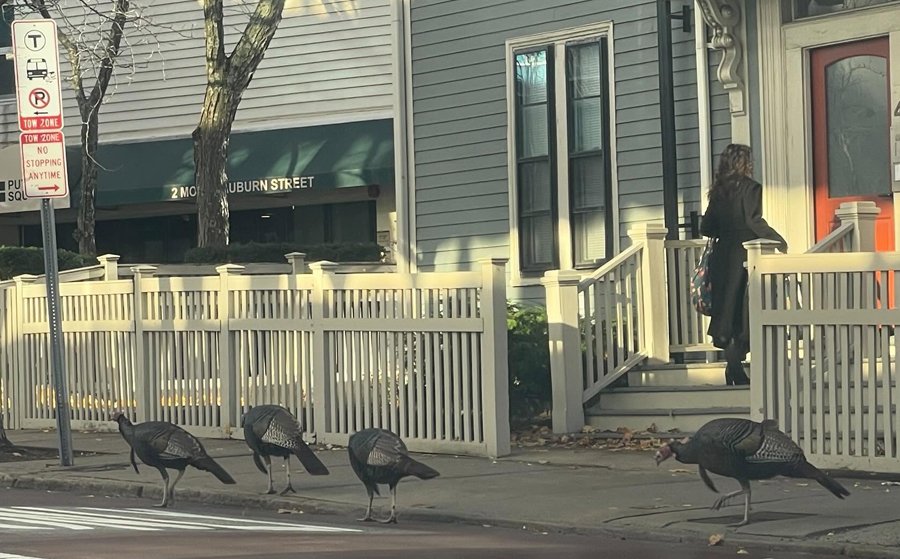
{"x":54,"y":188}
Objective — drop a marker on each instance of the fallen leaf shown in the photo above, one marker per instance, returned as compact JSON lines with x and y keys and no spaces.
{"x":743,"y":551}
{"x":680,"y":471}
{"x":890,"y":483}
{"x":289,"y":511}
{"x":716,"y":539}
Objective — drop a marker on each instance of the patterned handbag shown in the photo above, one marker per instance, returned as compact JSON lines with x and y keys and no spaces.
{"x":701,"y":286}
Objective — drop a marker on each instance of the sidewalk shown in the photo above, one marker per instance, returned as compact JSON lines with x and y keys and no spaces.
{"x":591,"y":491}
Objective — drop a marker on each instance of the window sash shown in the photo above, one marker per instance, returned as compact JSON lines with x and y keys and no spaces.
{"x":537,"y":222}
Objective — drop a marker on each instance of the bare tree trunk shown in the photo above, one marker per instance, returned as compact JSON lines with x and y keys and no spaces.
{"x":84,"y":231}
{"x":227,"y":77}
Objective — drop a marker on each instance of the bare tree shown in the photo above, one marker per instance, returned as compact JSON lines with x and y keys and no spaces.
{"x":93,"y":45}
{"x":227,"y":77}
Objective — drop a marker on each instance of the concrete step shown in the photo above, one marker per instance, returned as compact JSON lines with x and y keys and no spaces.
{"x":671,"y":397}
{"x":684,"y":420}
{"x":689,"y":374}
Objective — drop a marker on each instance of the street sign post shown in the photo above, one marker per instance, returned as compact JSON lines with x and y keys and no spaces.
{"x":43,"y":151}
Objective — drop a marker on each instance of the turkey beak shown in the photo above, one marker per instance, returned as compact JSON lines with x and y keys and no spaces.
{"x":659,"y":458}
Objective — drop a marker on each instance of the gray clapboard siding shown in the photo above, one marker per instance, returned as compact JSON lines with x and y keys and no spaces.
{"x":329,"y":60}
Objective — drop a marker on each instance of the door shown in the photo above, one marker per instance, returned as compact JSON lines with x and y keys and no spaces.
{"x":851,"y":132}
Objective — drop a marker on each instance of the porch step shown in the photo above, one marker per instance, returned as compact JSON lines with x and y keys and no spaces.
{"x":688,"y":374}
{"x":683,"y":420}
{"x":672,"y":397}
{"x":683,"y":408}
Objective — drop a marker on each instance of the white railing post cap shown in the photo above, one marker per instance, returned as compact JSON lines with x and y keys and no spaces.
{"x":108,"y":258}
{"x":648,"y":230}
{"x":323,"y":265}
{"x":230,"y":269}
{"x":292,"y":255}
{"x":494,"y":261}
{"x":860,"y":208}
{"x":561,"y":277}
{"x":764,"y":245}
{"x":143,"y":269}
{"x":25,"y":278}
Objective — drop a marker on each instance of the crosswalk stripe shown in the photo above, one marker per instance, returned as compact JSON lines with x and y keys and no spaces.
{"x":138,"y":519}
{"x":151,"y":524}
{"x":14,"y":556}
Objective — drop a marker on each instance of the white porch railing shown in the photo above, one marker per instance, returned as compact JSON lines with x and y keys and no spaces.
{"x":603,"y":325}
{"x":824,"y":350}
{"x":687,"y":327}
{"x":423,"y":355}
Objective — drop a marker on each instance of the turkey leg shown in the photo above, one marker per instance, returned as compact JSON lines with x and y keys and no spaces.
{"x":745,"y":491}
{"x":165,"y":500}
{"x":271,"y":488}
{"x":172,"y":487}
{"x":392,"y":519}
{"x":287,"y":467}
{"x":368,"y":516}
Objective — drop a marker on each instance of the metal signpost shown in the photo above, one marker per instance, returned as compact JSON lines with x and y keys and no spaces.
{"x":43,"y":150}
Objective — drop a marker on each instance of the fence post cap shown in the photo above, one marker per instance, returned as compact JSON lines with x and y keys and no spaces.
{"x":230,"y":269}
{"x":108,"y":258}
{"x":143,"y":269}
{"x":494,"y":261}
{"x":860,"y":208}
{"x":294,"y":255}
{"x":323,"y":265}
{"x":648,"y":230}
{"x":762,"y":245}
{"x":561,"y":277}
{"x":25,"y":278}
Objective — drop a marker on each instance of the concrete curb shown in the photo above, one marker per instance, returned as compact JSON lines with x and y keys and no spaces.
{"x":318,"y":506}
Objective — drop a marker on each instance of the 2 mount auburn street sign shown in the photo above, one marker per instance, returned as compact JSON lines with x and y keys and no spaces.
{"x":39,"y":96}
{"x":44,"y":164}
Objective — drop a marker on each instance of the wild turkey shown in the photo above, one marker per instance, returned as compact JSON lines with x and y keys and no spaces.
{"x":379,"y":456}
{"x":744,"y":450}
{"x":273,"y":431}
{"x":5,"y":443}
{"x":163,"y":445}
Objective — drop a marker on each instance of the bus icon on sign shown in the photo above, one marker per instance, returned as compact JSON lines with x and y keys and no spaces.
{"x":36,"y":68}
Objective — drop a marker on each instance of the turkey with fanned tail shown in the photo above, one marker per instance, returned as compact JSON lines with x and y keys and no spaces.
{"x":163,"y":445}
{"x":380,"y":457}
{"x":273,"y":431}
{"x":745,"y":450}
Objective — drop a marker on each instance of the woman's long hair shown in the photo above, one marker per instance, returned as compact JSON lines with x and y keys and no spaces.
{"x":736,"y":161}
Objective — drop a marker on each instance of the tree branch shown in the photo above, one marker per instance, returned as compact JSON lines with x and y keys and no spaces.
{"x":251,"y":47}
{"x":111,"y":53}
{"x":215,"y":41}
{"x":74,"y":58}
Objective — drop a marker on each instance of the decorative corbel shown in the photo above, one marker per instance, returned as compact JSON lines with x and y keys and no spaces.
{"x":724,"y":18}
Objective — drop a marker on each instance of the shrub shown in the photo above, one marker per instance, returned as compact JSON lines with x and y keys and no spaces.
{"x":274,"y":252}
{"x":529,"y":361}
{"x":15,"y":261}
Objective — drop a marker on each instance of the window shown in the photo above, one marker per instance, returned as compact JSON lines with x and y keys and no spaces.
{"x":7,"y":72}
{"x":797,"y":9}
{"x":560,"y":98}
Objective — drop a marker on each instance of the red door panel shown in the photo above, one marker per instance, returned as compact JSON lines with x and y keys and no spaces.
{"x":851,"y":130}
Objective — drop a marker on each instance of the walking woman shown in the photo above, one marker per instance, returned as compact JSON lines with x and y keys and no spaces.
{"x":733,"y":216}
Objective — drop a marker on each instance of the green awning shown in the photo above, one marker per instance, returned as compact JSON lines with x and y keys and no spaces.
{"x":315,"y":158}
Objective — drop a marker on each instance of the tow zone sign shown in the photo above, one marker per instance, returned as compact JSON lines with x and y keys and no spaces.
{"x":44,"y":164}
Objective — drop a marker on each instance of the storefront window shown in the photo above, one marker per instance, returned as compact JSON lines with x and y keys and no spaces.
{"x":812,"y":8}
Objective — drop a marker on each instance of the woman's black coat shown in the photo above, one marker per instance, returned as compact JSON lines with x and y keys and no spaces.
{"x":733,"y":218}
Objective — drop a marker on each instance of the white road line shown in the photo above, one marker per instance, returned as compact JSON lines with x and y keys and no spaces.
{"x":249,"y":523}
{"x":14,"y":556}
{"x":114,"y":521}
{"x":17,"y":527}
{"x":91,"y":522}
{"x":17,"y":517}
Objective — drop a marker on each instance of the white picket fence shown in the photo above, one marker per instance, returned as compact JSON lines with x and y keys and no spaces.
{"x":423,"y":355}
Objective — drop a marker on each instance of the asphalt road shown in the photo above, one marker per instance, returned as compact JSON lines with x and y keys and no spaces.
{"x":50,"y":525}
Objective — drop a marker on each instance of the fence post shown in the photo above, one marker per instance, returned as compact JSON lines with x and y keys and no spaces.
{"x":761,"y":384}
{"x":862,"y":215}
{"x":110,"y":264}
{"x":566,"y":365}
{"x":321,"y":400}
{"x":229,"y":393}
{"x":297,"y":260}
{"x":22,"y":367}
{"x":654,"y":300}
{"x":143,"y":388}
{"x":495,"y":357}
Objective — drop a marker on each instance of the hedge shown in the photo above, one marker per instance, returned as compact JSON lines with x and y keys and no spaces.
{"x":15,"y":261}
{"x":274,"y":252}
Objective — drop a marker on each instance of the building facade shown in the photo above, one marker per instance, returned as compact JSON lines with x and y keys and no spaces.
{"x":311,"y":156}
